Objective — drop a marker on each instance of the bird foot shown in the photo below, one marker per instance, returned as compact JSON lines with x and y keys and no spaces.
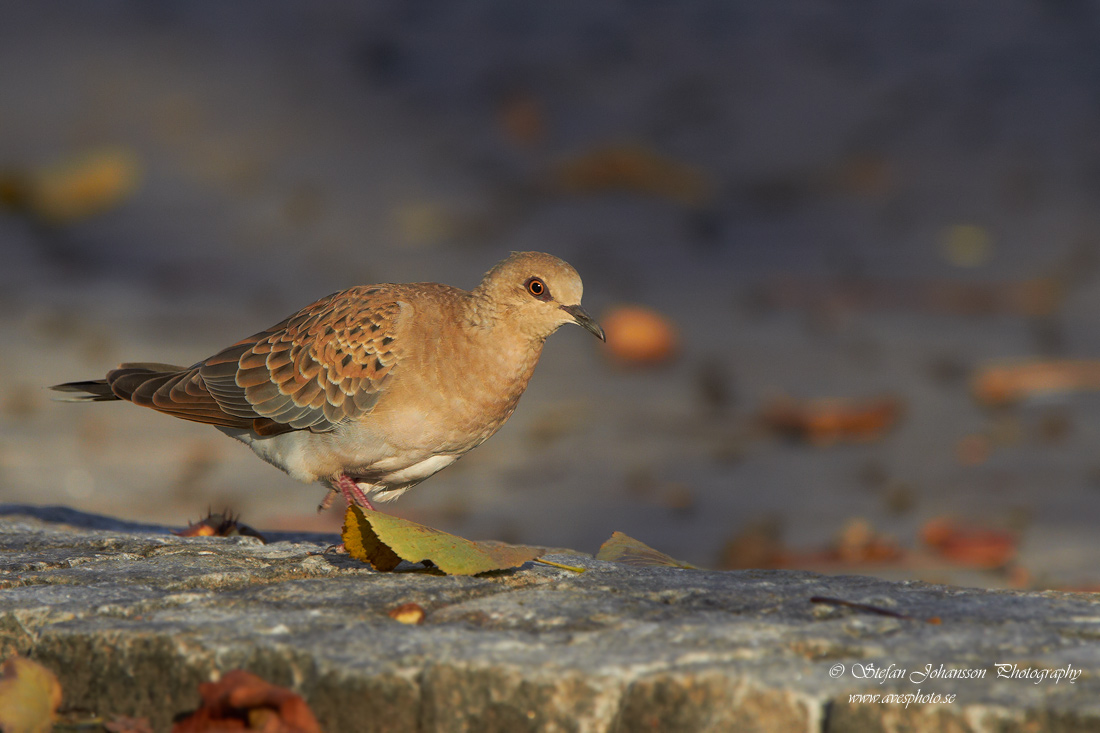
{"x":351,"y":491}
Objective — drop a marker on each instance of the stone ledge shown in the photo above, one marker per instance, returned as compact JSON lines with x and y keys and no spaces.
{"x":132,"y":619}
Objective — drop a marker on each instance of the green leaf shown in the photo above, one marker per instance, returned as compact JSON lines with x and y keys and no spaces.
{"x":384,"y":540}
{"x":624,"y":549}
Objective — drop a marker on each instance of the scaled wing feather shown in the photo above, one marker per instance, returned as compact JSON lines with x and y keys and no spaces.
{"x":323,"y":366}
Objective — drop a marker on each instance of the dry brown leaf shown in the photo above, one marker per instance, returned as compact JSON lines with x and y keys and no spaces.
{"x":624,"y":549}
{"x":384,"y":540}
{"x":1037,"y":297}
{"x":635,"y":169}
{"x":828,"y":421}
{"x":242,"y":701}
{"x":74,"y":188}
{"x":864,"y":175}
{"x":522,"y":120}
{"x":1006,"y":384}
{"x":973,"y":450}
{"x":29,"y":696}
{"x":758,"y":545}
{"x":219,"y":525}
{"x":858,"y":543}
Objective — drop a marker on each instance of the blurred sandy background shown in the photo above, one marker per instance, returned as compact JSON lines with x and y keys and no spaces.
{"x":844,"y":200}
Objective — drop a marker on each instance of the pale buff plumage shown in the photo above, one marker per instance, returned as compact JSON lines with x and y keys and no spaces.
{"x":373,"y":389}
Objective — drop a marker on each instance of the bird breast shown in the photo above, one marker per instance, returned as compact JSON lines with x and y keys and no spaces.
{"x":457,"y":395}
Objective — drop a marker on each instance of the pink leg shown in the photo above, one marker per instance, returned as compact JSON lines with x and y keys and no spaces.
{"x":351,"y":491}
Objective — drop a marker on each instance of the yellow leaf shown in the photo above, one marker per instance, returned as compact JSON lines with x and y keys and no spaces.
{"x":363,"y":544}
{"x":967,"y":245}
{"x":624,"y":549}
{"x":384,"y":540}
{"x":29,"y":696}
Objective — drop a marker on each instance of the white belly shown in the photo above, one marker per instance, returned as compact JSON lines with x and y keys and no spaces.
{"x":313,"y":457}
{"x":396,"y":483}
{"x":291,"y":452}
{"x":417,"y":472}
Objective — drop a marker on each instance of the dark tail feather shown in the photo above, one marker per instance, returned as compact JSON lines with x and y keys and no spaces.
{"x":120,"y":383}
{"x":94,"y":390}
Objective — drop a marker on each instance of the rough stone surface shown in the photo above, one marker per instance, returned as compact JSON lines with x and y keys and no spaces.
{"x":132,"y":619}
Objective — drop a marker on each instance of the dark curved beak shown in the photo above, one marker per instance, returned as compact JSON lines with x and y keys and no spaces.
{"x":585,"y":321}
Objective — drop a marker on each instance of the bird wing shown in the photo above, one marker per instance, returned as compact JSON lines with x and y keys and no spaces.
{"x":326,"y":364}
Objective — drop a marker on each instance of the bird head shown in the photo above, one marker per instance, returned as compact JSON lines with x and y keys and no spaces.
{"x":538,"y":292}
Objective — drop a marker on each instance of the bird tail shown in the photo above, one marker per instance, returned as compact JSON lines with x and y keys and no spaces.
{"x":120,"y":383}
{"x":93,"y":390}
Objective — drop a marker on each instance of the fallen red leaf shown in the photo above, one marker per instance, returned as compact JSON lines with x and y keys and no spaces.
{"x":242,"y":701}
{"x":980,"y":547}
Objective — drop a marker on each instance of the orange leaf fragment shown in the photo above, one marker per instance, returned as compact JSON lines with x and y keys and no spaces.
{"x":219,"y":525}
{"x":242,"y":701}
{"x":828,"y":421}
{"x":638,"y":335}
{"x":407,"y":613}
{"x":981,"y":548}
{"x":1005,"y":385}
{"x":858,"y":543}
{"x":973,"y":450}
{"x":29,"y":696}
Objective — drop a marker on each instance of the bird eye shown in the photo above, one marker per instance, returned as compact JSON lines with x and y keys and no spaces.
{"x":537,"y":288}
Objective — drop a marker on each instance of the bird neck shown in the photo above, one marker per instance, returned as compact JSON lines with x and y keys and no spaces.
{"x":499,"y":331}
{"x":486,"y":313}
{"x":479,"y":310}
